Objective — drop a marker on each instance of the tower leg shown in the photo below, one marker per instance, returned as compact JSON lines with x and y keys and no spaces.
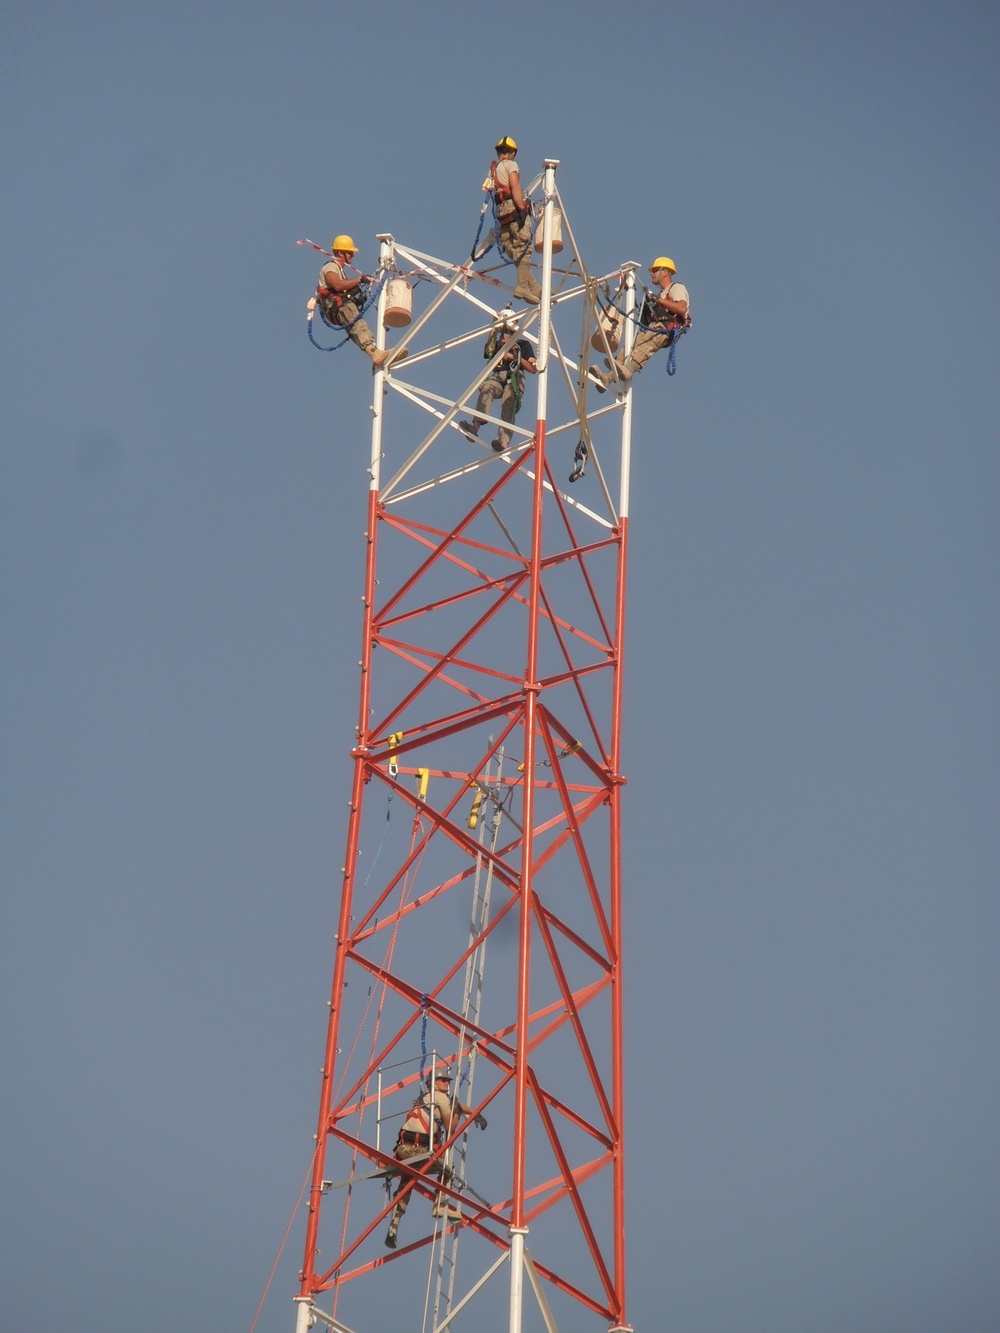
{"x":517,"y":1235}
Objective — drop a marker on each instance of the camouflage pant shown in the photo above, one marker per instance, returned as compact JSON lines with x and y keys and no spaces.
{"x":403,"y":1153}
{"x":514,"y":241}
{"x":359,"y":332}
{"x":509,"y":393}
{"x":646,"y":343}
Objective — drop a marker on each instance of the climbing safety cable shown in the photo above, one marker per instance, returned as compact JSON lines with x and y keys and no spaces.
{"x":408,"y":881}
{"x":281,"y":1247}
{"x":424,"y":1001}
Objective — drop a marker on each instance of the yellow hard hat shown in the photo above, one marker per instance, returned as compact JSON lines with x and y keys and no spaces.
{"x":343,"y":243}
{"x":662,"y":262}
{"x":506,"y":145}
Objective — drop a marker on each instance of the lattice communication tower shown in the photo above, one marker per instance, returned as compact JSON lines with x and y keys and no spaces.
{"x":480,"y":912}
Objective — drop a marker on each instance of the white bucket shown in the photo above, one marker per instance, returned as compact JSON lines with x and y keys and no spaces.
{"x":612,"y":331}
{"x":398,"y":304}
{"x":557,"y":241}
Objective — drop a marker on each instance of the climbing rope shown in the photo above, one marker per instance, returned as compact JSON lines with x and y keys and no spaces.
{"x":479,"y":231}
{"x":672,"y":352}
{"x":424,"y":1001}
{"x":281,"y":1247}
{"x":378,"y":853}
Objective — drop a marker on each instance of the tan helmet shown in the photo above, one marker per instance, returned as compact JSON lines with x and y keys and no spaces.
{"x":343,"y":242}
{"x":506,"y":145}
{"x":663,"y":262}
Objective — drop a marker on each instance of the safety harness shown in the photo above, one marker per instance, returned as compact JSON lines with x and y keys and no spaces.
{"x":329,"y":304}
{"x":424,"y":1111}
{"x":672,"y":326}
{"x":652,"y":323}
{"x":505,"y":212}
{"x":503,"y":198}
{"x":332,"y":302}
{"x":507,"y":372}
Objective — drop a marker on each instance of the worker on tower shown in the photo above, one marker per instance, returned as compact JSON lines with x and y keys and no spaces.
{"x":506,"y":381}
{"x":340,"y":297}
{"x":513,"y":218}
{"x":430,"y":1121}
{"x":662,"y":314}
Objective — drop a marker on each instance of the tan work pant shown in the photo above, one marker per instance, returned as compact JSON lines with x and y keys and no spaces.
{"x":359,"y":333}
{"x":514,"y":238}
{"x":404,"y":1151}
{"x":646,"y":343}
{"x":492,"y":389}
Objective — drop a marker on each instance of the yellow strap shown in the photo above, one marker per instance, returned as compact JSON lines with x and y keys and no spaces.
{"x":395,"y":739}
{"x":477,"y":801}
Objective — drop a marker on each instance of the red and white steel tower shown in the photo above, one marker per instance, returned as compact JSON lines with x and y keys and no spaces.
{"x":480,"y":919}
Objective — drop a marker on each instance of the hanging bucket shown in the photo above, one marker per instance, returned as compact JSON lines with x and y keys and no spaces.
{"x":398,"y":304}
{"x":612,"y":331}
{"x":557,"y":241}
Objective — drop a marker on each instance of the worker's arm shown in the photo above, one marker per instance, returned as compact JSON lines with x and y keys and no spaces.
{"x":341,"y":285}
{"x":480,"y":1120}
{"x":516,"y":193}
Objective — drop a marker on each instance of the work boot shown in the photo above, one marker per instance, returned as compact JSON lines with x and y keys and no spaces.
{"x":527,"y":295}
{"x":598,"y":379}
{"x":499,"y":445}
{"x":390,"y":1237}
{"x":470,"y":429}
{"x":380,"y":357}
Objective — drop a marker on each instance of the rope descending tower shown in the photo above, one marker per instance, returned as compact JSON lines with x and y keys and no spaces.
{"x":480,"y":928}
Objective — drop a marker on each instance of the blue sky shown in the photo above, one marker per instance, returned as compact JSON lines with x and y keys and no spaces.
{"x":810,"y":730}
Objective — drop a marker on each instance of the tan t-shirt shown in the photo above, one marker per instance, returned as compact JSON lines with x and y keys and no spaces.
{"x":675,"y":292}
{"x":428,"y":1110}
{"x":335,"y":270}
{"x":505,"y":169}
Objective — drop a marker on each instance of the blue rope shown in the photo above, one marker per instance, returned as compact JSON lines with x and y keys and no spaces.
{"x":423,"y":1035}
{"x":672,"y":352}
{"x":475,"y":244}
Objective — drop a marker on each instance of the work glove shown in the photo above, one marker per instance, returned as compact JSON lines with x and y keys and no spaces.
{"x":480,"y":1122}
